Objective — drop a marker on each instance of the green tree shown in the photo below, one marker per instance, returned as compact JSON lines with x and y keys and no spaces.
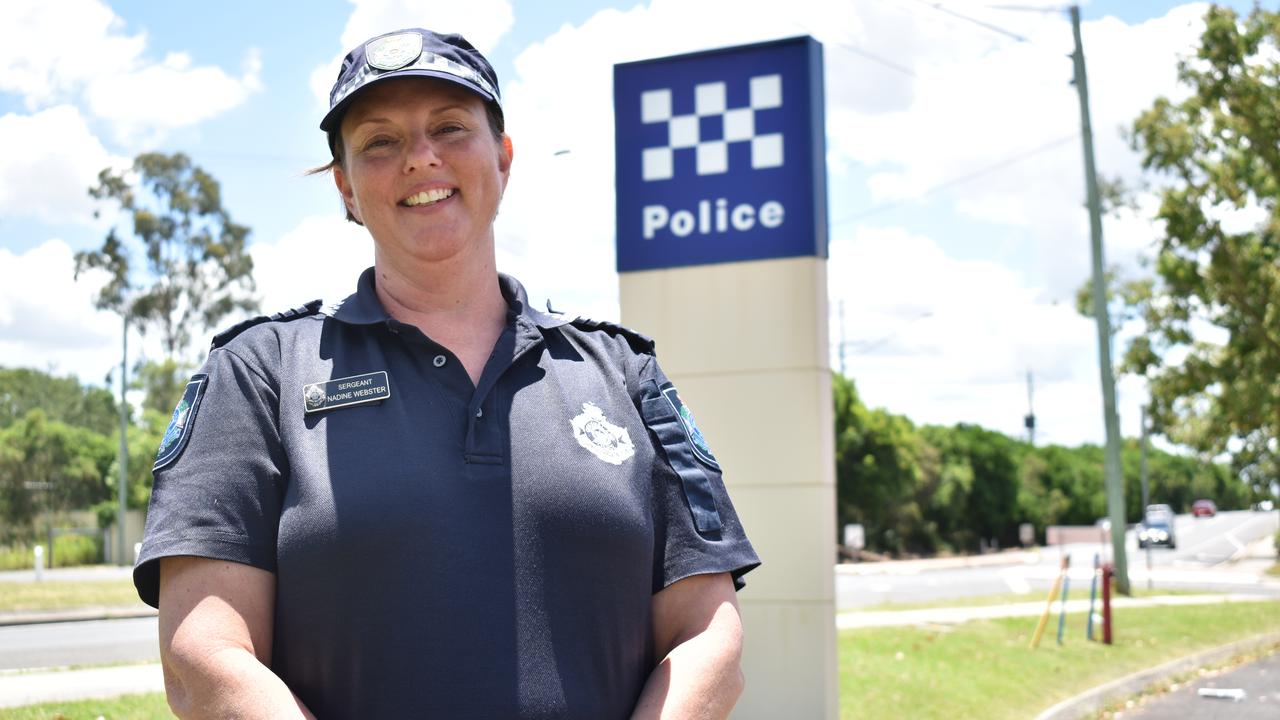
{"x":197,"y":268}
{"x":62,"y":399}
{"x":1215,"y":154}
{"x":144,"y":439}
{"x":162,"y":383}
{"x":978,"y":492}
{"x":49,"y":465}
{"x":877,"y":470}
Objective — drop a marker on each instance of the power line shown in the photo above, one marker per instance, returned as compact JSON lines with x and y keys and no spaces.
{"x":1031,"y":8}
{"x":961,"y":180}
{"x":877,"y":59}
{"x":981,"y":23}
{"x":867,"y":54}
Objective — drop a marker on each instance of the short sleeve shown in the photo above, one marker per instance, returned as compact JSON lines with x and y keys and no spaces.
{"x":218,"y":477}
{"x":697,"y":528}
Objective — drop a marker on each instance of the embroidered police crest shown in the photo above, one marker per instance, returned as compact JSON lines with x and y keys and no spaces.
{"x":184,"y":415}
{"x":696,"y":441}
{"x":605,"y":440}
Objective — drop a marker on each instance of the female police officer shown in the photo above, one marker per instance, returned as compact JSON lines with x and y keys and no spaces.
{"x":430,"y":499}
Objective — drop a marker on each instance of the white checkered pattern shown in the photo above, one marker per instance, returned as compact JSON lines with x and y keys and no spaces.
{"x":712,"y":155}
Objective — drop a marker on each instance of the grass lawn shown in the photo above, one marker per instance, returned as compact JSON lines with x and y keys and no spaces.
{"x":58,"y":594}
{"x":984,"y":669}
{"x":151,"y":706}
{"x":1073,"y":593}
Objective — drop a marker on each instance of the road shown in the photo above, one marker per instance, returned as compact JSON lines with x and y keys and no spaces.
{"x":1205,"y":546}
{"x":92,"y":642}
{"x":1246,"y":692}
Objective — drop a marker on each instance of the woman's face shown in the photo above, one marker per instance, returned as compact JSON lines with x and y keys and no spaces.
{"x":422,"y":170}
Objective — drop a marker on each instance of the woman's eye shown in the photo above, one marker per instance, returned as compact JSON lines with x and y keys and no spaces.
{"x":377,"y":143}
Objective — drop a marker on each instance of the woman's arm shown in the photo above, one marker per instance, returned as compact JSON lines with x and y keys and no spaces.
{"x":698,"y":633}
{"x":215,"y":641}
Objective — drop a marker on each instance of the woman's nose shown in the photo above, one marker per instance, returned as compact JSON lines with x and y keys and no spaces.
{"x":421,"y":154}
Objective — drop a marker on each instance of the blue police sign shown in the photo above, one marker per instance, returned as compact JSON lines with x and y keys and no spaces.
{"x":721,"y":156}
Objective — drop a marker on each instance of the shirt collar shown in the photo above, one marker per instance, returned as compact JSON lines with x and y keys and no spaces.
{"x":518,"y":302}
{"x":363,"y":307}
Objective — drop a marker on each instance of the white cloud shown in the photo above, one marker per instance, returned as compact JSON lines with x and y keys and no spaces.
{"x":320,"y":258}
{"x":945,"y":341}
{"x":170,"y":94}
{"x":76,"y":50}
{"x":47,"y":318}
{"x":482,"y":22}
{"x":1004,"y":110}
{"x":48,"y":162}
{"x":957,"y":99}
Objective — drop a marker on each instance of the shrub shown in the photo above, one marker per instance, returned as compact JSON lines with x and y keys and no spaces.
{"x":68,"y":550}
{"x":77,"y":550}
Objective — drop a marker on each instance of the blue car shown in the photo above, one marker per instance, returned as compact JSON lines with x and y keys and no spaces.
{"x":1156,"y":532}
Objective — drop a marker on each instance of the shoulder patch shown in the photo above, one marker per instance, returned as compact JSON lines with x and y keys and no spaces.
{"x":638,"y":341}
{"x":696,"y":441}
{"x":184,"y":416}
{"x":230,"y":333}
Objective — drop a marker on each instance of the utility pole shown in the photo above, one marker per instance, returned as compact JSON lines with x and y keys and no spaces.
{"x":1142,"y":475}
{"x":122,"y":555}
{"x":1030,"y":420}
{"x":1115,"y":488}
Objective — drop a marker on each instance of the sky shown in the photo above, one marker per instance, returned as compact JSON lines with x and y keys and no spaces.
{"x":958,"y":233}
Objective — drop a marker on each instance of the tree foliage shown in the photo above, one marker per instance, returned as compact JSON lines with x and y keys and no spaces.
{"x":162,"y":383}
{"x":955,"y":489}
{"x":59,"y":444}
{"x":49,"y":465}
{"x":196,"y":267}
{"x":62,"y":399}
{"x":1211,"y":306}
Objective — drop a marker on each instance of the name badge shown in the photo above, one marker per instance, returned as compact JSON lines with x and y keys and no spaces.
{"x":347,"y":391}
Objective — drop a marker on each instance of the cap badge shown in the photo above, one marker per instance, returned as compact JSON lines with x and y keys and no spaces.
{"x":393,"y":51}
{"x":605,"y":440}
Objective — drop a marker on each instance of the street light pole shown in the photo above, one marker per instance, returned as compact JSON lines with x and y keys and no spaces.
{"x":1115,"y":489}
{"x":122,"y":555}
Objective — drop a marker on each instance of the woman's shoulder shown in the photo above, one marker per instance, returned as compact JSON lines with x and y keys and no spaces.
{"x":606,"y":331}
{"x":242,"y":328}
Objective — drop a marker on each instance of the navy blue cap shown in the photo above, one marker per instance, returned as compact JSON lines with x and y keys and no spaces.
{"x":410,"y":52}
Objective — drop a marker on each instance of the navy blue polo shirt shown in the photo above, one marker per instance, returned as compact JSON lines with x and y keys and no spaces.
{"x":443,"y":549}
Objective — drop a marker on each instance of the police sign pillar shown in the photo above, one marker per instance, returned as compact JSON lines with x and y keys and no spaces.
{"x":722,"y":245}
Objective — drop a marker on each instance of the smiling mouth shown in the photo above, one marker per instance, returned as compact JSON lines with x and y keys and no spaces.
{"x":427,"y":197}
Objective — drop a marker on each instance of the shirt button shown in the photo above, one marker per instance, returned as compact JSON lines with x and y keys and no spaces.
{"x":439,"y":361}
{"x":479,"y":412}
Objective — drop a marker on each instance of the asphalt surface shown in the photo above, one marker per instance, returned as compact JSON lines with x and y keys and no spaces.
{"x":1214,"y":554}
{"x":1245,"y":692}
{"x":91,"y":642}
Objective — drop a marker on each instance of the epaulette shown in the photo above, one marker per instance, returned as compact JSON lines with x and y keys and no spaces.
{"x":638,"y":341}
{"x":230,"y":333}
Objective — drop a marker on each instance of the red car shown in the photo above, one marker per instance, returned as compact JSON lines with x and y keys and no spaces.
{"x":1204,"y":508}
